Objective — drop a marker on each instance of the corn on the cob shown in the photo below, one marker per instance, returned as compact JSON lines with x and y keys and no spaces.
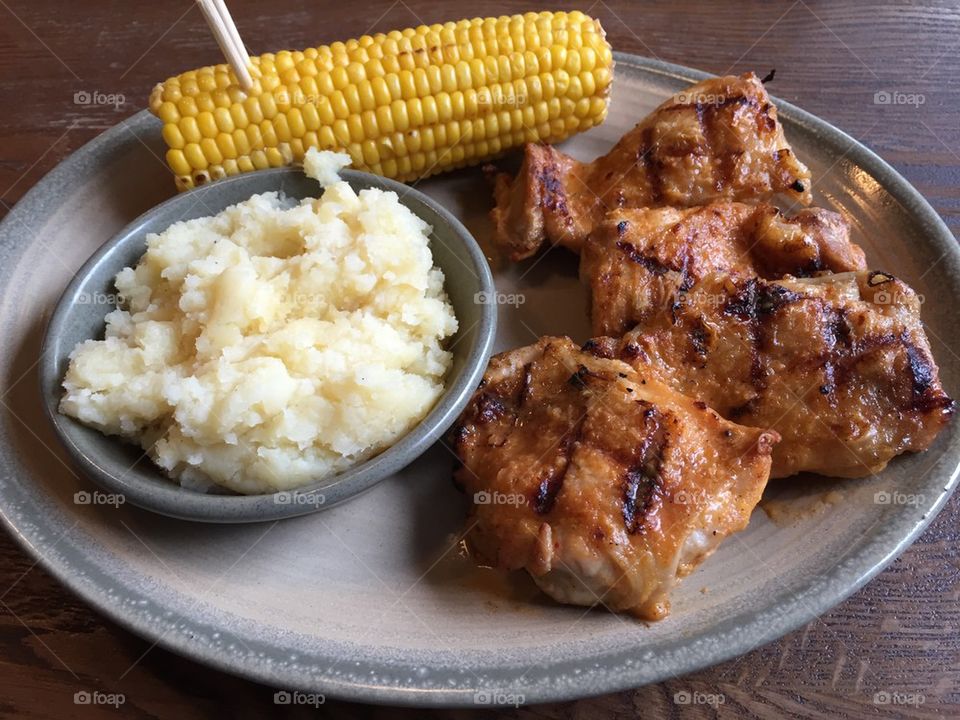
{"x":406,"y":105}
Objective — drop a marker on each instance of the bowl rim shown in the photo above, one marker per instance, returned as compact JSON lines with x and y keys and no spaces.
{"x":173,"y":500}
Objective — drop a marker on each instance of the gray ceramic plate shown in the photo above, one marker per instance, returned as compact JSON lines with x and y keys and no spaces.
{"x":371,"y":599}
{"x":120,"y":468}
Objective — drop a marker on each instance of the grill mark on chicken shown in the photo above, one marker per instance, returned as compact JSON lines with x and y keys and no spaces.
{"x":580,"y":377}
{"x":847,"y":360}
{"x":920,"y":368}
{"x":698,"y":338}
{"x":642,"y":481}
{"x":836,"y":335}
{"x":686,"y":279}
{"x":601,"y":347}
{"x":708,"y":119}
{"x":551,"y":483}
{"x":702,"y":126}
{"x":631,"y":351}
{"x":839,"y":326}
{"x":490,"y":408}
{"x":924,"y":372}
{"x":651,"y":164}
{"x":756,"y":299}
{"x":700,"y":106}
{"x":634,"y":255}
{"x":525,"y":389}
{"x":707,"y":132}
{"x":726,"y":160}
{"x":753,"y":302}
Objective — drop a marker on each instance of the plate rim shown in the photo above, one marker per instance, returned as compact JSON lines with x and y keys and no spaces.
{"x":838,"y":583}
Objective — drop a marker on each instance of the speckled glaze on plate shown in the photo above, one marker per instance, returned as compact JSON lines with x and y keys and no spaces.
{"x":120,"y":467}
{"x":370,"y":600}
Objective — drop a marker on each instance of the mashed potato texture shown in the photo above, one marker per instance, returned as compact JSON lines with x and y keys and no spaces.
{"x":274,"y":344}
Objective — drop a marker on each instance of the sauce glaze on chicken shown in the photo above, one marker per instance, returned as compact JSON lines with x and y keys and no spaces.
{"x":636,"y":261}
{"x":838,"y":365}
{"x":717,"y":140}
{"x":603,"y":483}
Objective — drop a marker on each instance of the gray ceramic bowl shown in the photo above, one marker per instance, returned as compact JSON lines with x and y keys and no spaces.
{"x":118,"y":467}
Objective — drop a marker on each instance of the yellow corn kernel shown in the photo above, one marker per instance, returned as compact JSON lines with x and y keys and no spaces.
{"x":259,"y":160}
{"x":207,"y":125}
{"x":178,"y":162}
{"x":190,"y":129}
{"x":195,"y":156}
{"x":226,"y":146}
{"x":208,"y":146}
{"x":173,"y":137}
{"x":168,"y":112}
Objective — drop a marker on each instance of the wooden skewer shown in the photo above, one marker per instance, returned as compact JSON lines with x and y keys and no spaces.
{"x":225,"y":32}
{"x":232,"y":28}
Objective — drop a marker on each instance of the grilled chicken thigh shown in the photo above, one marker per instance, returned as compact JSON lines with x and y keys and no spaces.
{"x":838,"y":365}
{"x":603,"y":483}
{"x":719,"y":139}
{"x":637,"y":260}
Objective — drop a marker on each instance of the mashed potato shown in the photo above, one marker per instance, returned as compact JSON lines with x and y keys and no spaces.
{"x":274,"y":344}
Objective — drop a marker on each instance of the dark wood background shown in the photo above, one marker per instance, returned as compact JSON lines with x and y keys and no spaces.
{"x":899,"y":634}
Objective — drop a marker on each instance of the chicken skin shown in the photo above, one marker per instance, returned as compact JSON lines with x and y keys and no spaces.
{"x":636,"y":261}
{"x":717,"y":140}
{"x":603,"y":483}
{"x":838,"y":365}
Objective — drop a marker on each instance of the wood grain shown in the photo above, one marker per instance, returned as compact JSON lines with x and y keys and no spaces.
{"x":898,"y":634}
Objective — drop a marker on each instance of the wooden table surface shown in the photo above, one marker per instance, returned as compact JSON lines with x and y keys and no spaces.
{"x":897,"y":635}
